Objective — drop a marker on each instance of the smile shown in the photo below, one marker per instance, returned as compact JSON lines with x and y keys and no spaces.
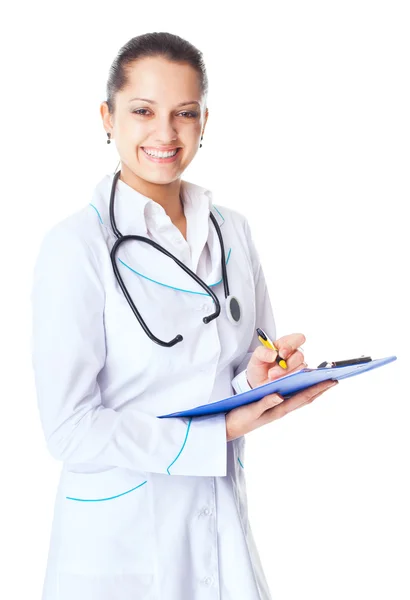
{"x":161,"y":157}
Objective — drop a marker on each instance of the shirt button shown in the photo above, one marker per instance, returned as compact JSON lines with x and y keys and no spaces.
{"x":207,"y":580}
{"x":207,"y":512}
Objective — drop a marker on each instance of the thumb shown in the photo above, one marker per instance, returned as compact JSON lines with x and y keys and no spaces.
{"x":266,"y":403}
{"x":262,"y":355}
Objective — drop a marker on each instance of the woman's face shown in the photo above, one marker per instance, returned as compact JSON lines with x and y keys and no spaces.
{"x":172,"y":115}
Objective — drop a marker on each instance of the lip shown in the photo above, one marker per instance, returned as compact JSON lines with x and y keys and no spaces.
{"x":162,"y":161}
{"x":161,"y":148}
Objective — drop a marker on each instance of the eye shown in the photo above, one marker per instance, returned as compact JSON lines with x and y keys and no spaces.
{"x":137,"y":112}
{"x":193,"y":114}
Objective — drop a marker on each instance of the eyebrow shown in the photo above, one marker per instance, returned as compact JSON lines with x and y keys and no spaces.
{"x":153,"y":101}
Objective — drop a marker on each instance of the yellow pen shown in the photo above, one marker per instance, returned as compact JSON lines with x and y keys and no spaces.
{"x":264,"y":339}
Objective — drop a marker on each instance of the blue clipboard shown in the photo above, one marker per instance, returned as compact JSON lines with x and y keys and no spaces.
{"x":286,"y":386}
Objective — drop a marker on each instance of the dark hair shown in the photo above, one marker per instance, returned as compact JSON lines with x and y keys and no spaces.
{"x":167,"y":45}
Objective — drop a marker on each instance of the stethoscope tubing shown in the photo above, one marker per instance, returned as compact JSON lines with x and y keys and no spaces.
{"x":123,"y":238}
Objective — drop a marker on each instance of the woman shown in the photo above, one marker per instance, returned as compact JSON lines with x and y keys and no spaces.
{"x":153,"y":508}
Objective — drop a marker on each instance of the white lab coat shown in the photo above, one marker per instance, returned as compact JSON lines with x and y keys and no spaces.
{"x":146,"y":508}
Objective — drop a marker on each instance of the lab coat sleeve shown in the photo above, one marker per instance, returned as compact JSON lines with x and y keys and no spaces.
{"x":264,"y":314}
{"x":68,"y":351}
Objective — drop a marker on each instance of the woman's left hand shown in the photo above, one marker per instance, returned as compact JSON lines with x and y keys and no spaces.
{"x":263,"y":368}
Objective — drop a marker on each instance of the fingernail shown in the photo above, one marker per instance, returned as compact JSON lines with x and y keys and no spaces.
{"x":284,"y":353}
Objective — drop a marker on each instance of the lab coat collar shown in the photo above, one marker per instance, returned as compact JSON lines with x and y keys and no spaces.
{"x":130,"y":211}
{"x":131,"y":208}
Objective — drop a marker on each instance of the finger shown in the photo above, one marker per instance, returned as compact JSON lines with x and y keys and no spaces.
{"x":309,"y":400}
{"x":262,"y":355}
{"x":276,"y":372}
{"x":297,"y":401}
{"x":287,"y":344}
{"x":312,"y":392}
{"x":294,"y":362}
{"x":266,"y":403}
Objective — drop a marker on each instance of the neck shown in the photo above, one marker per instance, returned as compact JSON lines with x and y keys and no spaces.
{"x":167,"y":195}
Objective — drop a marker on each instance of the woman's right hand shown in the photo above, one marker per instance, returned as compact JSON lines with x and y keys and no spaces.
{"x":248,"y":417}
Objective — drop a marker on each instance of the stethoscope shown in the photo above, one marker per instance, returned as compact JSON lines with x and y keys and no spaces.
{"x":233,"y":309}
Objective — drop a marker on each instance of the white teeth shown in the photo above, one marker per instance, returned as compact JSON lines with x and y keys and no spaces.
{"x":160,"y":154}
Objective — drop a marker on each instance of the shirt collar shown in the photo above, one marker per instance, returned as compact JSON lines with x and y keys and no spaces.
{"x":132,"y":209}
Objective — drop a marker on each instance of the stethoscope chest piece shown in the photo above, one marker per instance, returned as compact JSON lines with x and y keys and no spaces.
{"x":233,"y":309}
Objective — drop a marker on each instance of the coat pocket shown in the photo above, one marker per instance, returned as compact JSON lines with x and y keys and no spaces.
{"x":106,"y":523}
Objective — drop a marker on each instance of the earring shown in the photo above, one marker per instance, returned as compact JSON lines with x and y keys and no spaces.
{"x":202,"y":137}
{"x":109,"y":141}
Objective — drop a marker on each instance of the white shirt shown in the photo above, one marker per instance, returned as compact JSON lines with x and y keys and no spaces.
{"x":146,"y":507}
{"x":193,"y":251}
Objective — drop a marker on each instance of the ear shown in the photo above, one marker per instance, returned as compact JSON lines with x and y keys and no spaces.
{"x":205,"y":120}
{"x":106,"y":116}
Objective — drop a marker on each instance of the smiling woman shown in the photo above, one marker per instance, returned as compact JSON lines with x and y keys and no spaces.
{"x":152,"y":508}
{"x":156,"y":105}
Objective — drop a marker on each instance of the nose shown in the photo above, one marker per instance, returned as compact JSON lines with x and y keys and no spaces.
{"x":166,"y":131}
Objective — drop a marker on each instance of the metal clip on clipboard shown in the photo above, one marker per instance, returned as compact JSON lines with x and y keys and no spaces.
{"x":344,"y":363}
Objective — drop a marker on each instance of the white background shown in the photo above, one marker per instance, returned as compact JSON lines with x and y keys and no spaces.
{"x":308,"y":136}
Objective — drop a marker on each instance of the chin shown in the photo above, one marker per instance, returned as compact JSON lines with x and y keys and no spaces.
{"x":158,"y":179}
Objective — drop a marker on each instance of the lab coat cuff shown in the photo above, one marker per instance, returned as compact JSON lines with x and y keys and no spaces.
{"x":205,"y":452}
{"x":240,"y":383}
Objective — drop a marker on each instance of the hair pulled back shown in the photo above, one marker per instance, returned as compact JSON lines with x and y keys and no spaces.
{"x":161,"y":44}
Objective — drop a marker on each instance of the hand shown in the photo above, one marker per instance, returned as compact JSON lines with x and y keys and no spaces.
{"x":248,"y":417}
{"x":262,"y":367}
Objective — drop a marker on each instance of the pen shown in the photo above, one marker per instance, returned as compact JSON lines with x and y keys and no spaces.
{"x":264,"y":339}
{"x":344,"y":363}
